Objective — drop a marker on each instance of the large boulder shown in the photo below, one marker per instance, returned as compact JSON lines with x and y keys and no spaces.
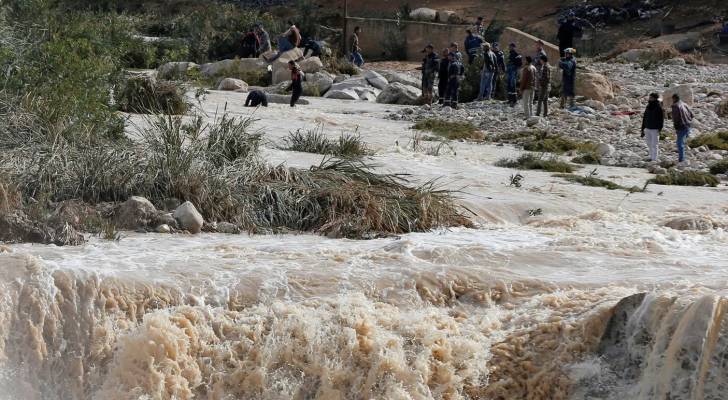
{"x":423,"y":14}
{"x":232,"y":84}
{"x":637,"y":55}
{"x":237,"y":67}
{"x":692,"y":223}
{"x":285,"y":99}
{"x":405,"y":79}
{"x":681,"y":41}
{"x":188,"y":218}
{"x":684,"y":91}
{"x":398,"y":93}
{"x":322,"y":81}
{"x":351,"y":83}
{"x":281,"y":72}
{"x":342,"y":94}
{"x":367,"y":93}
{"x":376,"y":79}
{"x":448,"y":17}
{"x":137,"y":212}
{"x":594,"y":86}
{"x":176,"y":70}
{"x":311,"y":65}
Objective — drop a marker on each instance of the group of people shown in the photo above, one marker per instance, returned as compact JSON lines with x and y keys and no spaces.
{"x":653,"y":121}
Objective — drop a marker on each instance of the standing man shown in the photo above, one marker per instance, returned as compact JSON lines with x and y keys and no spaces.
{"x":356,"y":57}
{"x":442,"y":77}
{"x":454,"y":74}
{"x":296,"y":82}
{"x":537,"y":63}
{"x":500,"y":71}
{"x":455,"y":50}
{"x":490,"y":66}
{"x":528,"y":86}
{"x":568,"y":81}
{"x":479,"y":29}
{"x":472,"y":45}
{"x":515,"y":62}
{"x":430,"y":66}
{"x":652,"y":123}
{"x":263,"y":37}
{"x":682,"y":119}
{"x":567,"y":30}
{"x":543,"y":85}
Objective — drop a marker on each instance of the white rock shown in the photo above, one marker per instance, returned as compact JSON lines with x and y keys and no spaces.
{"x":233,"y":85}
{"x":188,"y":218}
{"x":164,"y":228}
{"x":423,"y":14}
{"x":176,"y":70}
{"x":342,"y":94}
{"x":605,"y":149}
{"x":375,"y":79}
{"x":397,"y":93}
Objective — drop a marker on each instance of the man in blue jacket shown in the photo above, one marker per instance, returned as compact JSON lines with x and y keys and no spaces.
{"x":472,"y":45}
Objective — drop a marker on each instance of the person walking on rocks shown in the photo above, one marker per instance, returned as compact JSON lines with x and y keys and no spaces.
{"x":430,"y":65}
{"x":490,"y":66}
{"x":356,"y":57}
{"x":454,"y":73}
{"x":652,"y":123}
{"x":472,"y":45}
{"x":297,"y":82}
{"x":515,"y":62}
{"x":543,"y":85}
{"x":568,"y":78}
{"x":442,"y":77}
{"x":682,"y":119}
{"x":528,"y":86}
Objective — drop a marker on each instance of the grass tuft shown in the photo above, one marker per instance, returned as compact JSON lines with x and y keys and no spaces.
{"x":719,"y":167}
{"x":315,"y":141}
{"x":592,"y":180}
{"x":715,"y":141}
{"x":450,"y":129}
{"x":543,"y":142}
{"x":686,"y":178}
{"x":146,"y":95}
{"x":531,"y":161}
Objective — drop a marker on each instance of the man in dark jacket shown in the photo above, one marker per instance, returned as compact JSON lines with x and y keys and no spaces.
{"x":490,"y":65}
{"x":652,"y":123}
{"x":454,"y":74}
{"x":430,"y":65}
{"x":500,"y":59}
{"x":515,"y":62}
{"x":568,"y":78}
{"x":567,"y":30}
{"x":256,"y":98}
{"x":442,"y":77}
{"x":472,"y":45}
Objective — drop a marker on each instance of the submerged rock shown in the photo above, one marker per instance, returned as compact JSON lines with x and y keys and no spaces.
{"x":188,"y":218}
{"x":692,"y":223}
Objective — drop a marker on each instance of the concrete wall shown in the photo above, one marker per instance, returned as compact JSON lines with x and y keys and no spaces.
{"x":526,"y":44}
{"x":384,"y":39}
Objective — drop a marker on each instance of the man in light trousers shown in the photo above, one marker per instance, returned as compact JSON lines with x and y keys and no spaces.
{"x":528,"y":86}
{"x":486,"y":77}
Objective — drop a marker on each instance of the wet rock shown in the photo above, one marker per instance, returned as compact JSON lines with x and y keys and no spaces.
{"x":176,"y":70}
{"x":398,"y":93}
{"x":405,"y":79}
{"x":17,"y":227}
{"x":227,"y":227}
{"x":232,"y":84}
{"x":136,"y":212}
{"x":375,"y":79}
{"x":188,"y":218}
{"x":311,"y":65}
{"x":164,"y":228}
{"x":691,"y":223}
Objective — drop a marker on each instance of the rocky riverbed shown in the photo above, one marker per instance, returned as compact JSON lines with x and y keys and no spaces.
{"x":615,"y":123}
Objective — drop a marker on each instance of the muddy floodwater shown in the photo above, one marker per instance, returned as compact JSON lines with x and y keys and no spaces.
{"x":592,"y":297}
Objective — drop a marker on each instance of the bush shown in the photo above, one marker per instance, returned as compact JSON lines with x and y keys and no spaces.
{"x":715,"y":141}
{"x":146,"y":95}
{"x":315,"y":141}
{"x":592,"y":180}
{"x":587,"y":158}
{"x":544,"y":142}
{"x":450,"y":129}
{"x":720,"y":167}
{"x":686,"y":178}
{"x":531,"y":161}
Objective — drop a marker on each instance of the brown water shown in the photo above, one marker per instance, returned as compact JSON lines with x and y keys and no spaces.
{"x":508,"y":313}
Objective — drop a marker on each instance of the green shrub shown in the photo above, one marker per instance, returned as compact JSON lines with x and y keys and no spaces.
{"x":587,"y":158}
{"x":715,"y":141}
{"x":543,"y":142}
{"x":719,"y":167}
{"x":145,"y":95}
{"x":450,"y":129}
{"x":315,"y":141}
{"x":686,"y":178}
{"x":531,"y":161}
{"x":592,"y":180}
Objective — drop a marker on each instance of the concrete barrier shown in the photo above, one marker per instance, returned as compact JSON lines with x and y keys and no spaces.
{"x":526,"y":44}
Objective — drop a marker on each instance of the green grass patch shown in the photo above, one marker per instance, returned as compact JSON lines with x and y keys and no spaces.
{"x":315,"y":141}
{"x":592,"y":180}
{"x":146,"y":95}
{"x":531,"y":161}
{"x":544,"y":142}
{"x":720,"y":167}
{"x":686,"y":178}
{"x":450,"y":129}
{"x":714,"y":141}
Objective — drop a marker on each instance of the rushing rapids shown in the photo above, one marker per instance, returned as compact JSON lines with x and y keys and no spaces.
{"x":457,"y":314}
